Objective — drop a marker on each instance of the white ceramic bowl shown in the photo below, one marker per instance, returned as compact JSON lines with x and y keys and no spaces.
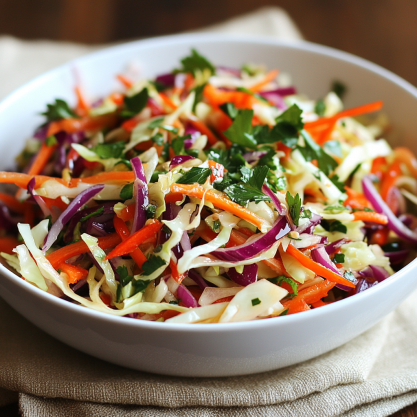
{"x":210,"y":349}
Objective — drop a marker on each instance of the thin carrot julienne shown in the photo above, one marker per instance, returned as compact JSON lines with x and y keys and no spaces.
{"x":270,"y":76}
{"x":221,"y":202}
{"x":75,"y":273}
{"x":41,"y":159}
{"x":125,"y":80}
{"x":370,"y":216}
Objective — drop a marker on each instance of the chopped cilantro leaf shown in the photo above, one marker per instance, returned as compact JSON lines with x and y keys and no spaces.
{"x":334,"y":147}
{"x":136,"y":103}
{"x":320,"y":107}
{"x":292,"y":116}
{"x":294,"y":205}
{"x":230,"y":110}
{"x":174,"y":302}
{"x":311,"y":151}
{"x":194,"y":175}
{"x":282,"y":278}
{"x":336,"y":208}
{"x":240,"y":130}
{"x":152,"y":264}
{"x":254,"y":177}
{"x":196,"y":62}
{"x":50,"y":141}
{"x":169,"y":128}
{"x":243,"y":193}
{"x":285,"y":312}
{"x":198,"y":94}
{"x":339,"y":184}
{"x":177,"y":144}
{"x":139,"y":285}
{"x":98,"y":211}
{"x":216,"y":226}
{"x":255,"y":301}
{"x":127,"y":192}
{"x":150,"y":211}
{"x":339,"y":88}
{"x":124,"y":276}
{"x":59,"y":110}
{"x":159,"y":86}
{"x":362,"y":209}
{"x":334,"y":226}
{"x":339,"y":258}
{"x":305,"y":214}
{"x":158,"y":139}
{"x":156,"y":175}
{"x":109,"y":150}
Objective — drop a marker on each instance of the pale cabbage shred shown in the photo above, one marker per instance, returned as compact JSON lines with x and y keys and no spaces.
{"x":300,"y":174}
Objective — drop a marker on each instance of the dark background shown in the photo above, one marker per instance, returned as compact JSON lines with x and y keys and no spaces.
{"x":383,"y":31}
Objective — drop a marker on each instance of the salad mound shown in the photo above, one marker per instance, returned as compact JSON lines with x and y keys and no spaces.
{"x":208,"y":195}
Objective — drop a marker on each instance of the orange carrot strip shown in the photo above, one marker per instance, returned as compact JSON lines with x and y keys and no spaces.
{"x":124,"y":80}
{"x":12,"y":203}
{"x":319,"y":303}
{"x":173,"y":197}
{"x":168,"y":101}
{"x":102,"y":177}
{"x":174,"y":272}
{"x":132,"y":242}
{"x":85,"y":123}
{"x":270,"y":76}
{"x":77,"y":248}
{"x":369,"y":216}
{"x":224,"y":300}
{"x":117,"y":98}
{"x":217,"y":97}
{"x":8,"y":243}
{"x":199,"y":125}
{"x":127,"y":213}
{"x":407,"y":157}
{"x":308,"y":296}
{"x":82,"y":101}
{"x":356,"y":200}
{"x":389,"y":179}
{"x":217,"y":170}
{"x":380,"y":237}
{"x":355,"y":111}
{"x":41,"y":159}
{"x":378,"y":166}
{"x":122,"y":230}
{"x":317,"y":268}
{"x":75,"y":273}
{"x":22,"y":180}
{"x":221,"y":202}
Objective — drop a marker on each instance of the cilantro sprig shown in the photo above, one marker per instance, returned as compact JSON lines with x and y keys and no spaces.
{"x":58,"y":111}
{"x":294,"y":207}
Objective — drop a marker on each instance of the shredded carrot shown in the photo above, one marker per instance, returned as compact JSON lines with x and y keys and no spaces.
{"x":378,"y":166}
{"x":319,"y":303}
{"x":130,"y":124}
{"x":22,"y":180}
{"x":270,"y":76}
{"x":8,"y":243}
{"x":407,"y":157}
{"x":104,"y":177}
{"x":379,"y":237}
{"x":307,"y":296}
{"x":370,"y":216}
{"x":133,"y":241}
{"x":124,"y":233}
{"x":105,"y":298}
{"x":41,"y":159}
{"x":124,"y":80}
{"x":217,"y":97}
{"x":224,"y":300}
{"x":57,"y":202}
{"x":221,"y":202}
{"x":320,"y":270}
{"x":356,"y":200}
{"x":390,"y":178}
{"x":82,"y":105}
{"x":77,"y":248}
{"x":200,"y":126}
{"x":84,"y":123}
{"x":173,"y":197}
{"x":174,"y":272}
{"x":168,"y":101}
{"x":355,"y":111}
{"x":127,"y":213}
{"x":75,"y":273}
{"x":117,"y":98}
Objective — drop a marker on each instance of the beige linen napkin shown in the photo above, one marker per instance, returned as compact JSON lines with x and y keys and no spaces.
{"x":373,"y":375}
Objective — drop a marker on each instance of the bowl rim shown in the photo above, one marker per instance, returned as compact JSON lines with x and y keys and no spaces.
{"x":201,"y":38}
